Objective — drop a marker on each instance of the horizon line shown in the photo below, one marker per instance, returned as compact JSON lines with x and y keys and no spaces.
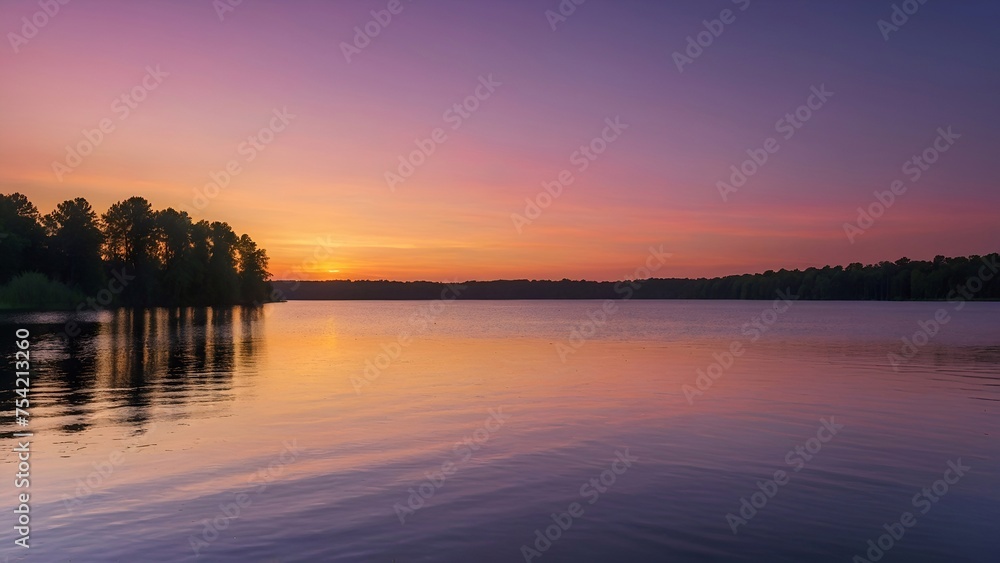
{"x":864,"y":265}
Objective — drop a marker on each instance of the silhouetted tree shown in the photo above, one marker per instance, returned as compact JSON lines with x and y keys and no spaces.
{"x":201,"y":253}
{"x":253,"y":273}
{"x":75,"y":240}
{"x":22,"y":238}
{"x":176,"y":255}
{"x":130,"y":244}
{"x":223,"y":280}
{"x":175,"y":261}
{"x":944,"y":278}
{"x":170,"y":260}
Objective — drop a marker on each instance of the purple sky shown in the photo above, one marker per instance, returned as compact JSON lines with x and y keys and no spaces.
{"x":323,"y":176}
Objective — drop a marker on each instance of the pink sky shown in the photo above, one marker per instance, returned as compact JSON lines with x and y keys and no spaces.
{"x":323,"y":176}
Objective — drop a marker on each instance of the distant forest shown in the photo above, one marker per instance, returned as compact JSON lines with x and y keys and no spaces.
{"x":974,"y":277}
{"x":135,"y":256}
{"x":131,"y":255}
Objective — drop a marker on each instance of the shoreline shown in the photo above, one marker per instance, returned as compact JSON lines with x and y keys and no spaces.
{"x":404,"y":299}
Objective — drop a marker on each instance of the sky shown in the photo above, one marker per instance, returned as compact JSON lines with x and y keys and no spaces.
{"x":316,"y":108}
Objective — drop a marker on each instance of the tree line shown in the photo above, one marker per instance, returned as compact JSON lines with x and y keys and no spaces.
{"x":972,"y":277}
{"x":132,"y":254}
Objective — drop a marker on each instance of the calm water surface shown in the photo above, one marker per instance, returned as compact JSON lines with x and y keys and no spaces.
{"x":255,"y":435}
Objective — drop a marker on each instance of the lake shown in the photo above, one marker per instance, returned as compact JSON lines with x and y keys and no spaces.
{"x":642,"y":431}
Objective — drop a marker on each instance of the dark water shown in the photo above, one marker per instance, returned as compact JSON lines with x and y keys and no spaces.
{"x":254,"y":435}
